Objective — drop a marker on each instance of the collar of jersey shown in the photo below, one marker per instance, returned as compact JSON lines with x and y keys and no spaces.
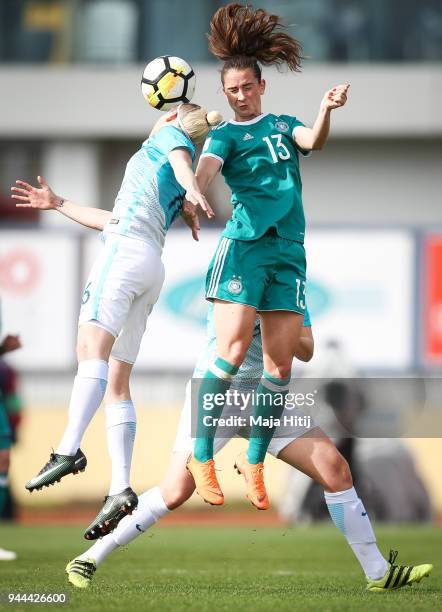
{"x":255,"y":120}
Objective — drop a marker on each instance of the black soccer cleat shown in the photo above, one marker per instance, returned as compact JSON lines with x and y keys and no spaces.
{"x":115,"y":508}
{"x":57,"y":468}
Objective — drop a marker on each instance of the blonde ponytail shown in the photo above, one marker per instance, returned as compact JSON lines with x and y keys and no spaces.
{"x":214,"y":118}
{"x":196,"y":121}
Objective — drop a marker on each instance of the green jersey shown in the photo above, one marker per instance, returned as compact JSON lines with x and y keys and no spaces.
{"x":260,"y":164}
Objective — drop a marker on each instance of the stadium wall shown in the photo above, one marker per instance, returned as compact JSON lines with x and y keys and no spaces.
{"x":105,"y":102}
{"x":156,"y":429}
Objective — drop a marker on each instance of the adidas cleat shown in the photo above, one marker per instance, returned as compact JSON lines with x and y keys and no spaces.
{"x":115,"y":508}
{"x":206,"y":482}
{"x":80,"y":572}
{"x":57,"y":468}
{"x":254,"y":477}
{"x":398,"y":576}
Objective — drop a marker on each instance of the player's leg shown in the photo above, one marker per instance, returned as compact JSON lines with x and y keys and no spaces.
{"x":281,"y":308}
{"x":280,"y":332}
{"x":120,"y":411}
{"x":306,"y":345}
{"x":120,"y":423}
{"x":176,"y":487}
{"x":120,"y":429}
{"x":107,"y":298}
{"x":253,"y":473}
{"x":235,"y":300}
{"x":315,"y":455}
{"x":94,"y":346}
{"x":234,"y":325}
{"x":93,"y":349}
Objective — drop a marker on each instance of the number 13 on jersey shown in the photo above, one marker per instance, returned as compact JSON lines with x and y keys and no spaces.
{"x":281,"y":151}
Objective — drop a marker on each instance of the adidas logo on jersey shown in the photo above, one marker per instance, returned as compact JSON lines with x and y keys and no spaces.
{"x":248,"y":137}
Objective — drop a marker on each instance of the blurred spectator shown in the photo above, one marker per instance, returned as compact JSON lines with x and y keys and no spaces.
{"x":395,"y":490}
{"x":383,"y":469}
{"x":127,"y":31}
{"x":8,"y":344}
{"x":12,"y":405}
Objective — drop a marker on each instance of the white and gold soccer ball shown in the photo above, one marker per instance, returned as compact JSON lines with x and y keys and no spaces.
{"x":167,"y":81}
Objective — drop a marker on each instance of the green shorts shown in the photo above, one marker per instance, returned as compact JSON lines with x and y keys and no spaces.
{"x":5,"y":430}
{"x":268,"y":273}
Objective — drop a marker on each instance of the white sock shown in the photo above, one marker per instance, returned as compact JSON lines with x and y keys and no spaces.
{"x":100,"y":550}
{"x":87,"y":395}
{"x":121,"y":426}
{"x":349,"y":516}
{"x":151,"y":507}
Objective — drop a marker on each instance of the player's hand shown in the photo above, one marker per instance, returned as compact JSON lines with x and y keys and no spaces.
{"x":197,"y":199}
{"x":10,"y":343}
{"x":190,"y":218}
{"x":336,"y":97}
{"x":35,"y":197}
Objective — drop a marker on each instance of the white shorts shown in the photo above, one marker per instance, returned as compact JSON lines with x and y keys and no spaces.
{"x":282,"y":436}
{"x":122,"y":288}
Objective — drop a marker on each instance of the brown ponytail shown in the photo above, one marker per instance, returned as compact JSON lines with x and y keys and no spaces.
{"x":241,"y":37}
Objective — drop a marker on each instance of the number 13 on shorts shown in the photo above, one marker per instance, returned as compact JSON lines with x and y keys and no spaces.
{"x":300,"y":293}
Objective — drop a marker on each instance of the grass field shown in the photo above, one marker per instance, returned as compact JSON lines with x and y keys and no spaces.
{"x":189,"y":568}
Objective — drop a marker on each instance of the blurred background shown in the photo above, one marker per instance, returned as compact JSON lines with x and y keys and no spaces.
{"x":71,"y":110}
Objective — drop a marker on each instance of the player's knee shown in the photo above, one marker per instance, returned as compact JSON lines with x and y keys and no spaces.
{"x":282,"y":370}
{"x":306,"y":351}
{"x":85,"y":346}
{"x":93,"y":342}
{"x":339,"y":476}
{"x":234,"y":353}
{"x":117,"y":391}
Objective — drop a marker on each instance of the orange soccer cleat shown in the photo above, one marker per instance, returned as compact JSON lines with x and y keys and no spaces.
{"x":254,"y":477}
{"x":206,"y":482}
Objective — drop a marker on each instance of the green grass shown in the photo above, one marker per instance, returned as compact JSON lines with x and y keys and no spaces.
{"x":198,"y":569}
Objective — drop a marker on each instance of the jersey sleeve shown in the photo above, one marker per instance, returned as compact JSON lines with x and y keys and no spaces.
{"x":217,"y":145}
{"x":295,"y":123}
{"x":172,"y":138}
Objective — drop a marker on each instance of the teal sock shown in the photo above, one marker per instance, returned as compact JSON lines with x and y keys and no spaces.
{"x":269,"y":404}
{"x":3,"y":491}
{"x":216,"y":382}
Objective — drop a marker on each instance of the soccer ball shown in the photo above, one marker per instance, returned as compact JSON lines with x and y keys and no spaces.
{"x":167,"y":81}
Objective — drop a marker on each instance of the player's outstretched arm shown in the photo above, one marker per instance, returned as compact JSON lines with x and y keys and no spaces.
{"x":181,"y":163}
{"x":315,"y":138}
{"x":44,"y":198}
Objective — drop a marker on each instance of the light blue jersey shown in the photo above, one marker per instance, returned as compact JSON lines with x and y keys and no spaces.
{"x":150,"y":197}
{"x":252,"y":366}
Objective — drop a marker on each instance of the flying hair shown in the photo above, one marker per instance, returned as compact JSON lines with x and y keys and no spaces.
{"x":242,"y":36}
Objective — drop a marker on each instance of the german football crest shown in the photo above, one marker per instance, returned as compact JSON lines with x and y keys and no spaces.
{"x":282,"y":126}
{"x":235,"y":285}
